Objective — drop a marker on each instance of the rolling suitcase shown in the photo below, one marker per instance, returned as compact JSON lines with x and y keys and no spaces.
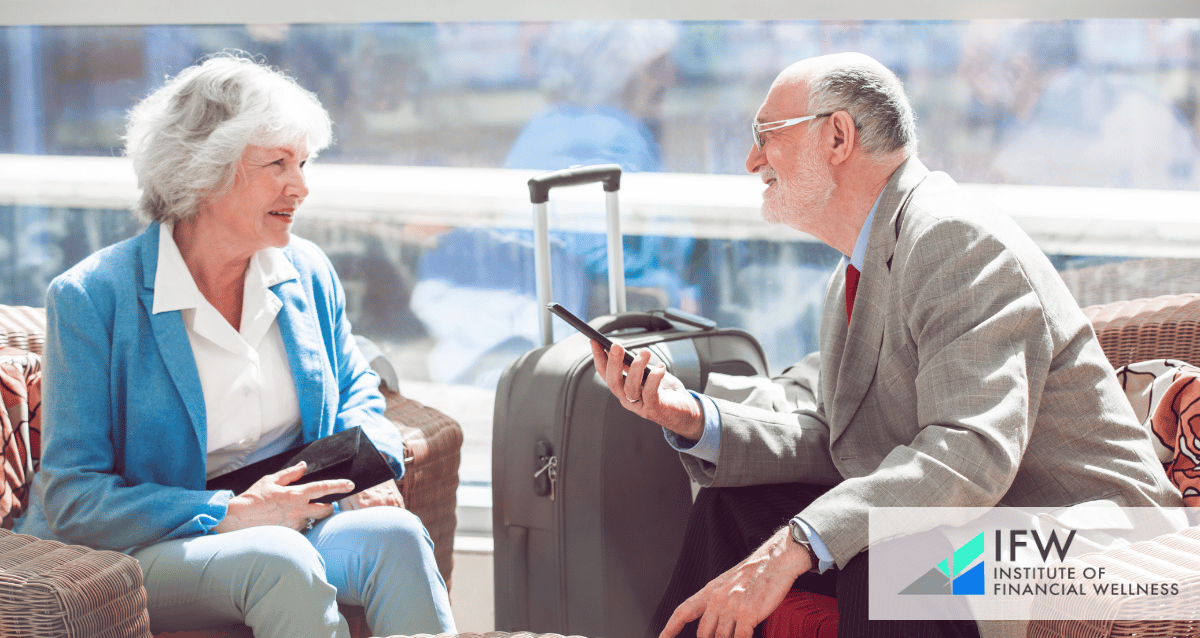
{"x":589,"y":502}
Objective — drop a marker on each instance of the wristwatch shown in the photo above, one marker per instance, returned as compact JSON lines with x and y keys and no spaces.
{"x":801,"y":539}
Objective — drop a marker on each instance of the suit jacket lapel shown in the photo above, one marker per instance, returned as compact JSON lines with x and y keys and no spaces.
{"x":850,"y":353}
{"x":171,"y":337}
{"x":301,"y":339}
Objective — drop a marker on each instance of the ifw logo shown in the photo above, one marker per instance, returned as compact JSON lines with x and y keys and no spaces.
{"x":954,"y":575}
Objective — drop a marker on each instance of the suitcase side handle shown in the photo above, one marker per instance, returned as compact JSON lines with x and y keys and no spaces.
{"x":540,"y":185}
{"x":684,"y":317}
{"x":632,"y":320}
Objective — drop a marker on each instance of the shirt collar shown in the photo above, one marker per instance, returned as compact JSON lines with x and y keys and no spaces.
{"x":860,"y":247}
{"x":174,"y":288}
{"x":270,"y":266}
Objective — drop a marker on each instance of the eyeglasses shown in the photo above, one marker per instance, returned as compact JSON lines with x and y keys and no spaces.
{"x":758,"y":129}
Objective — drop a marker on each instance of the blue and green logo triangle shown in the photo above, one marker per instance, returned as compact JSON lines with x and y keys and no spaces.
{"x":954,"y":575}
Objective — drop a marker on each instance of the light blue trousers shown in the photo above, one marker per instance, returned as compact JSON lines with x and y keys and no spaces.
{"x":286,"y":584}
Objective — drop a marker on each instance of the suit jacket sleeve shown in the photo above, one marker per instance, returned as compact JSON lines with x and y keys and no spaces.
{"x":771,"y":432}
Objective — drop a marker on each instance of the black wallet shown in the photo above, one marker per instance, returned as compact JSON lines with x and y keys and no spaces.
{"x":349,"y":454}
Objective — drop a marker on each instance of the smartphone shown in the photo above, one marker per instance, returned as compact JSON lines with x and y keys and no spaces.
{"x":591,"y":333}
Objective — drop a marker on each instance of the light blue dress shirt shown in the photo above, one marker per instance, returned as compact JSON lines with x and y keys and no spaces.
{"x":708,"y":447}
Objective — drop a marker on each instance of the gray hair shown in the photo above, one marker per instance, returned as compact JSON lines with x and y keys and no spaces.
{"x":187,"y":138}
{"x":875,"y":101}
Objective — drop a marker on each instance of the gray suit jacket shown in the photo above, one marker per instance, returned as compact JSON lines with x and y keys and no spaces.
{"x":968,"y":377}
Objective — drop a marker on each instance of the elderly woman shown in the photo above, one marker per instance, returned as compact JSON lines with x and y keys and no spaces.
{"x":212,"y":340}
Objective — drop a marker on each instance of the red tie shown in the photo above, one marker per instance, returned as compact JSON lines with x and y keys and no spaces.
{"x":851,"y":289}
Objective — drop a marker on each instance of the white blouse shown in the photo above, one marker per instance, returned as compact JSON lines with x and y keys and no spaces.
{"x":250,"y":400}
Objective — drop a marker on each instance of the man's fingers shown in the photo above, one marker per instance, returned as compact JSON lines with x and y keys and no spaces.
{"x":690,"y":610}
{"x":673,"y":627}
{"x":708,"y":625}
{"x":726,"y":626}
{"x":614,"y":375}
{"x":650,"y":388}
{"x":612,"y":364}
{"x":633,"y":380}
{"x":600,"y":358}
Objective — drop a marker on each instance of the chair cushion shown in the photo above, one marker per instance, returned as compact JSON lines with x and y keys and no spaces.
{"x":23,"y":327}
{"x":20,"y":428}
{"x":488,"y":634}
{"x":1165,"y":394}
{"x":803,"y":614}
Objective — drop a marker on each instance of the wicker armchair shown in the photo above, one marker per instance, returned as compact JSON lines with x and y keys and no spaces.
{"x":1164,"y":327}
{"x":48,"y":589}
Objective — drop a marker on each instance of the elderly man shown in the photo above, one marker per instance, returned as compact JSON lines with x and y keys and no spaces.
{"x":955,"y":370}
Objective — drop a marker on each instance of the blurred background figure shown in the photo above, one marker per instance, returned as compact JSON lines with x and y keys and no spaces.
{"x":1065,"y":120}
{"x":604,"y":84}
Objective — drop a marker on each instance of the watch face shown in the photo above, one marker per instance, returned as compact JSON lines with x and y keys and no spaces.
{"x":798,"y":534}
{"x":802,"y":540}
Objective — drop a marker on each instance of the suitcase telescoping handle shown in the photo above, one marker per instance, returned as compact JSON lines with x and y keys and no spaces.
{"x":539,"y":194}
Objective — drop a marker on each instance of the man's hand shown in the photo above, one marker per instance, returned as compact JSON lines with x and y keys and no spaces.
{"x":386,"y":493}
{"x":273,"y":500}
{"x":662,"y":398}
{"x":734,"y":603}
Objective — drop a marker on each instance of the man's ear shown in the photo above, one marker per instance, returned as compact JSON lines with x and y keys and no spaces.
{"x":842,"y":137}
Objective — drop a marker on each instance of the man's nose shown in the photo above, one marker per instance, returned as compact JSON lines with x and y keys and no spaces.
{"x":756,"y":159}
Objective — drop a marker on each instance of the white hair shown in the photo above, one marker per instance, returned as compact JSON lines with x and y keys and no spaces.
{"x":876,"y":102}
{"x":187,"y":138}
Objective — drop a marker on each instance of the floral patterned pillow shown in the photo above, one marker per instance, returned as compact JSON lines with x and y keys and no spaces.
{"x":20,"y":428}
{"x":1165,"y":394}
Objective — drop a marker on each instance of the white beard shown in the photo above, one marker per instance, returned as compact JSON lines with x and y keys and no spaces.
{"x":805,"y":196}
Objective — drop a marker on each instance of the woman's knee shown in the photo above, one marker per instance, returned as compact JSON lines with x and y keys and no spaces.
{"x":379,"y":533}
{"x":280,"y":551}
{"x":392,"y":525}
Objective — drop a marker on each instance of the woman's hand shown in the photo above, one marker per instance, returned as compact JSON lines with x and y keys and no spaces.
{"x":386,"y":493}
{"x":662,"y":398}
{"x":273,"y":500}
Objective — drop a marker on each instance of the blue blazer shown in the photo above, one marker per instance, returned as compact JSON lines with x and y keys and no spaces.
{"x":124,"y":432}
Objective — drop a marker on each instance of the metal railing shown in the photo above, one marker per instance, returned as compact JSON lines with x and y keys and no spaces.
{"x":1062,"y":220}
